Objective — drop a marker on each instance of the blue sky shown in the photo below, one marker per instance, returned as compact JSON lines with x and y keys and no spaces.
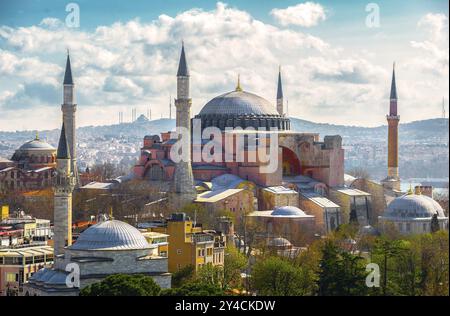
{"x":334,"y":69}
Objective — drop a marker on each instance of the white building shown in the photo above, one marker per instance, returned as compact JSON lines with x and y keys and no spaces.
{"x":109,"y":247}
{"x":412,"y":213}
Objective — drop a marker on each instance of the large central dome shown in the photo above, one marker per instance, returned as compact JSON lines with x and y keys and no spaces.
{"x":239,"y":103}
{"x":241,"y":109}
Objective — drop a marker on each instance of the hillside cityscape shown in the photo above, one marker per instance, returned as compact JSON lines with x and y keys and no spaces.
{"x":423,"y":148}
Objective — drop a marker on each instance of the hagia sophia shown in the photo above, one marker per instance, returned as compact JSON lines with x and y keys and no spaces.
{"x":307,"y":196}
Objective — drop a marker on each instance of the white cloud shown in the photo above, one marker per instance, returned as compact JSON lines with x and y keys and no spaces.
{"x":133,"y":64}
{"x":306,"y":14}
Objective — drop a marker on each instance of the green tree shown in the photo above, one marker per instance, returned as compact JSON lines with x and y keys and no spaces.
{"x":279,"y":277}
{"x":234,"y":263}
{"x":386,"y":252}
{"x":194,"y":288}
{"x":123,"y":285}
{"x":341,"y":272}
{"x":183,"y":275}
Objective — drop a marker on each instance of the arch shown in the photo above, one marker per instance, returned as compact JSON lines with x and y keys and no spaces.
{"x":291,"y":163}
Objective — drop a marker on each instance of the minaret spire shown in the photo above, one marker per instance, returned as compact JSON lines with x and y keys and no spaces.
{"x":280,"y":94}
{"x":69,"y":109}
{"x":68,"y":73}
{"x":182,"y":66}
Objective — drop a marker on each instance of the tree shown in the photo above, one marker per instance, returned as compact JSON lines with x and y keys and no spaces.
{"x":278,"y":277}
{"x":434,"y":223}
{"x":234,"y":263}
{"x":341,"y":273}
{"x":194,"y":288}
{"x":123,"y":285}
{"x":385,"y":251}
{"x":359,"y":172}
{"x":183,"y":275}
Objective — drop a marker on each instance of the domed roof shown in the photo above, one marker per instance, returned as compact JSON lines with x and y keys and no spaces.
{"x":111,"y":235}
{"x":413,"y":206}
{"x":36,"y":144}
{"x":238,"y":103}
{"x":279,"y":242}
{"x":288,"y":211}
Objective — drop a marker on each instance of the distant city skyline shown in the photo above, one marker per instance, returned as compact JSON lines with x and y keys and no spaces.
{"x":335,"y":68}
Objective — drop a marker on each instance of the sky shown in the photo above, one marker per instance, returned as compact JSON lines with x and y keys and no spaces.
{"x":336,"y":57}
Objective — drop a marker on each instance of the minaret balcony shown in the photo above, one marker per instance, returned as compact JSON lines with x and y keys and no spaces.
{"x":393,"y":117}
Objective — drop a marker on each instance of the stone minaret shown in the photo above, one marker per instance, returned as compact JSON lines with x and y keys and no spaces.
{"x":68,"y":109}
{"x":64,"y":185}
{"x":393,"y":181}
{"x":183,"y":184}
{"x":280,"y":95}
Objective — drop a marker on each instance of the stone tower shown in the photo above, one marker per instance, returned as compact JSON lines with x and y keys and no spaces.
{"x":183,"y":184}
{"x":68,"y":109}
{"x":393,"y":181}
{"x":280,"y":95}
{"x":64,"y":185}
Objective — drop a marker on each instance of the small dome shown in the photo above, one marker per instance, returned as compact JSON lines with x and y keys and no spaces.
{"x":110,"y":235}
{"x":413,"y":206}
{"x":239,"y":103}
{"x":36,"y":144}
{"x":279,"y":242}
{"x":288,"y":211}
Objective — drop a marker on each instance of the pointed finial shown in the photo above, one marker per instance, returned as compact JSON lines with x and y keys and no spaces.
{"x":238,"y":87}
{"x":410,"y":190}
{"x":393,"y":95}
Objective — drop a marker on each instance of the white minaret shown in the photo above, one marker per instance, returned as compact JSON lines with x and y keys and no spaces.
{"x":183,"y":184}
{"x":68,"y":109}
{"x":64,"y":185}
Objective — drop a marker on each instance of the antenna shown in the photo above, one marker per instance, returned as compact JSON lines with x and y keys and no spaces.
{"x":170,"y":106}
{"x":443,"y":108}
{"x":287,"y":107}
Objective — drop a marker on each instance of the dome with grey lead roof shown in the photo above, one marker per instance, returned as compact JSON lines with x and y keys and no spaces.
{"x":239,"y":103}
{"x":413,"y":206}
{"x":241,"y":109}
{"x":288,"y":211}
{"x":111,"y":235}
{"x":36,"y":144}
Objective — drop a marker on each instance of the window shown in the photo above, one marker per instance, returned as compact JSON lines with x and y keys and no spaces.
{"x":400,"y":227}
{"x":12,"y":277}
{"x":424,"y":227}
{"x":179,"y":251}
{"x":209,"y":252}
{"x":408,"y":227}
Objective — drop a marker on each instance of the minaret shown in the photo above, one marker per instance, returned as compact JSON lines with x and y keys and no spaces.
{"x":393,"y":180}
{"x":64,"y":185}
{"x":280,"y":94}
{"x":68,"y":109}
{"x":183,"y":183}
